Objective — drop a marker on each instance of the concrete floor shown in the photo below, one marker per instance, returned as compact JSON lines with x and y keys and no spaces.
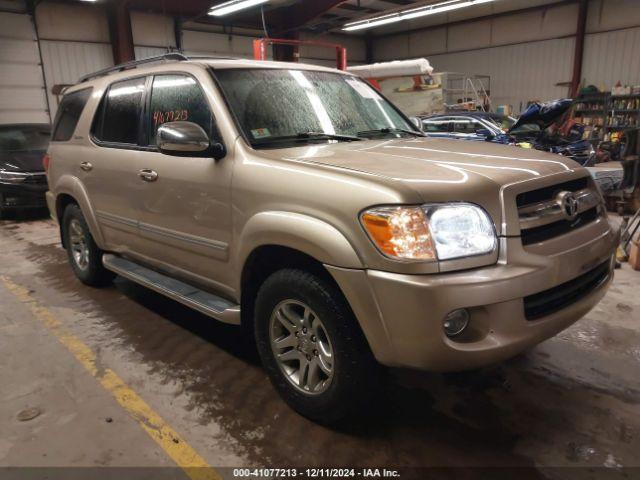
{"x":573,"y":401}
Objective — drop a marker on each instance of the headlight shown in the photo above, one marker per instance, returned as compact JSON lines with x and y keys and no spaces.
{"x":11,"y":177}
{"x":431,"y":232}
{"x":461,"y":230}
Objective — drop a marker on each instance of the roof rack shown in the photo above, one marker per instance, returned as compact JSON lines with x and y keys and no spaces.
{"x":133,"y":64}
{"x":179,"y":57}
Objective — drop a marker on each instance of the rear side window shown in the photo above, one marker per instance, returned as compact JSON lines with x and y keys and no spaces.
{"x":177,"y":98}
{"x":118,"y":118}
{"x":466,"y":125}
{"x":69,"y":113}
{"x":438,"y":125}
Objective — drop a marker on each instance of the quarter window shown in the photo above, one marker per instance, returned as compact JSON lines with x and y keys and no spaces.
{"x":118,"y":119}
{"x":177,"y":98}
{"x":69,"y":113}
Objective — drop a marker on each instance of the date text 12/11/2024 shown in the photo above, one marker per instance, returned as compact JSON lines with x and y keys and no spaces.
{"x":315,"y":473}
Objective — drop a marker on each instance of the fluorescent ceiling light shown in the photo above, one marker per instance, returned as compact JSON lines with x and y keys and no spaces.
{"x":233,"y":6}
{"x":412,"y":13}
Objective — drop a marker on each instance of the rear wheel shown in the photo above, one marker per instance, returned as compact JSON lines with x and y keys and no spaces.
{"x":84,"y":255}
{"x":311,"y":346}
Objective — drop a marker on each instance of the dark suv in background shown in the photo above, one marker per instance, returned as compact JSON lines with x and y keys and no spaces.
{"x":23,"y":182}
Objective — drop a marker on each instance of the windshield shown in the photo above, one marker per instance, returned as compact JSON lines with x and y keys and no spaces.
{"x":272,"y":105}
{"x":23,"y":138}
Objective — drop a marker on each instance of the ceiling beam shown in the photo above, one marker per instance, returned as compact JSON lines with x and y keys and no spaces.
{"x":283,"y":20}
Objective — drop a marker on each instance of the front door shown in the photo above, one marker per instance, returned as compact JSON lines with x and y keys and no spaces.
{"x":185,"y":212}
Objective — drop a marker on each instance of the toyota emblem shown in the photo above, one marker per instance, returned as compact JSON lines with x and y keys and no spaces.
{"x":569,"y":204}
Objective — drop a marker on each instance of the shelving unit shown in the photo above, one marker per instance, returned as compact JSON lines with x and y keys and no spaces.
{"x":603,"y":114}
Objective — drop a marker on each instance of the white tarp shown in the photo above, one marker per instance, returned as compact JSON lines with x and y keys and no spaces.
{"x":397,"y":68}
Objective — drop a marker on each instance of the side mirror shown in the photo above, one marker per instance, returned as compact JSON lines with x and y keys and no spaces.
{"x":484,"y":132}
{"x":417,"y":123}
{"x":187,"y":139}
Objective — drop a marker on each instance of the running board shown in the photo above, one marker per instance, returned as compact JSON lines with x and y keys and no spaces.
{"x":204,"y":302}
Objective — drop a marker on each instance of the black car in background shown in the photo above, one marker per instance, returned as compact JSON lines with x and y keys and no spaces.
{"x":23,"y":181}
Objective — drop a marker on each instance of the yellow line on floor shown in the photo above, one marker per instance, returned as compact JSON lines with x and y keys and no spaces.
{"x":166,"y":437}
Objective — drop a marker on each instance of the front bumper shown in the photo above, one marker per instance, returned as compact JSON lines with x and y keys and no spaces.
{"x":22,"y":196}
{"x":401,"y":315}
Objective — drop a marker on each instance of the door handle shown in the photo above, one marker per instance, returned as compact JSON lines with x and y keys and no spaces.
{"x":148,"y":175}
{"x":86,"y":166}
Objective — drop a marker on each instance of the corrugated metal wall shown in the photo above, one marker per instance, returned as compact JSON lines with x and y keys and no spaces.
{"x":611,"y":57}
{"x":356,"y":51}
{"x":196,"y":42}
{"x":142,"y":52}
{"x":22,"y":92}
{"x":612,"y":43}
{"x":519,"y":73}
{"x":528,"y":54}
{"x":65,"y":62}
{"x":74,"y":41}
{"x":153,"y":34}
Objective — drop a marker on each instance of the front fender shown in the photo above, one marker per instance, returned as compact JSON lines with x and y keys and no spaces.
{"x":70,"y":185}
{"x":301,"y":232}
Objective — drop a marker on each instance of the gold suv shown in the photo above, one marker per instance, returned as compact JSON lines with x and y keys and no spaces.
{"x":297,"y":201}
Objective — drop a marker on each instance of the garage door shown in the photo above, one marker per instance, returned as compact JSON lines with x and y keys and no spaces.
{"x":22,"y":92}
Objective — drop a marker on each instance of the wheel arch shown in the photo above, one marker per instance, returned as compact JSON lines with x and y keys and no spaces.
{"x":70,"y":190}
{"x":280,"y":239}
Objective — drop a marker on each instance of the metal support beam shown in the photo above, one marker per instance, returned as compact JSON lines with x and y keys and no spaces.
{"x":578,"y":53}
{"x":295,"y":16}
{"x":368,"y":44}
{"x":120,"y":32}
{"x":177,"y":31}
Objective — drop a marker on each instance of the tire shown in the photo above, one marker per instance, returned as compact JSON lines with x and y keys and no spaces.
{"x":327,"y":397}
{"x":84,"y":255}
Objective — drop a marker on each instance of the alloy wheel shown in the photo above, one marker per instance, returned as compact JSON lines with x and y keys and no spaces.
{"x":301,"y":347}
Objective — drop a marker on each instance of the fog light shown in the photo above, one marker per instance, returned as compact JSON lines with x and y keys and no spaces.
{"x":455,"y":322}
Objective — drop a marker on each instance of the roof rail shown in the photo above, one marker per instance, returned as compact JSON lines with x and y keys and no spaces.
{"x":133,"y":64}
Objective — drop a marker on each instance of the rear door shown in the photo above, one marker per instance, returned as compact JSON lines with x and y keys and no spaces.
{"x":185,"y":211}
{"x":110,"y":170}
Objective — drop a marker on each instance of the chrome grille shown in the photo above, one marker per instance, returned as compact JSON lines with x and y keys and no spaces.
{"x":552,"y":211}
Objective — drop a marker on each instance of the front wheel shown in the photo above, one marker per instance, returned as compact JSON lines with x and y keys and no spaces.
{"x":84,"y":255}
{"x":312,"y":347}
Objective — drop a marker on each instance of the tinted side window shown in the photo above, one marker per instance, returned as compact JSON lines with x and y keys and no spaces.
{"x":118,"y":118}
{"x":177,"y":98}
{"x":69,"y":113}
{"x":466,"y":125}
{"x":436,"y":125}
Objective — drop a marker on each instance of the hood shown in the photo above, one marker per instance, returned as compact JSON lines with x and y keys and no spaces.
{"x":543,"y":114}
{"x":433,"y":166}
{"x":22,"y":161}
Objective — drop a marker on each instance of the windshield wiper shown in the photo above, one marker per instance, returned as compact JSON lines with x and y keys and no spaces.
{"x":387,"y":130}
{"x":331,"y":136}
{"x":301,"y":136}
